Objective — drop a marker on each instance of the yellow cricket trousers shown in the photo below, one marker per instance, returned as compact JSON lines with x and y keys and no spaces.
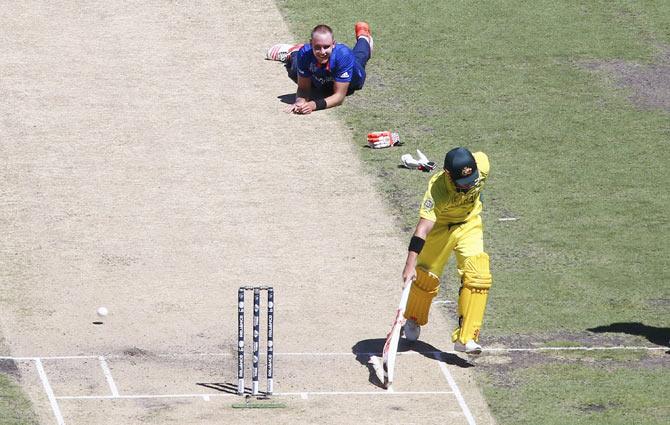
{"x":465,"y":240}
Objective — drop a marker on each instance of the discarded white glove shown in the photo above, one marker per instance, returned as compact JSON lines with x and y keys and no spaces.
{"x":383,"y":139}
{"x":422,"y":163}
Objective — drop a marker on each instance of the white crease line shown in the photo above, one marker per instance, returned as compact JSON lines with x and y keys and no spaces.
{"x":363,"y":353}
{"x":380,"y":392}
{"x":457,"y":392}
{"x":46,"y":358}
{"x":621,"y":347}
{"x":316,"y":354}
{"x":486,"y":350}
{"x":139,"y":396}
{"x":302,"y":394}
{"x":67,"y":357}
{"x":347,"y":353}
{"x":108,"y":376}
{"x":50,"y":394}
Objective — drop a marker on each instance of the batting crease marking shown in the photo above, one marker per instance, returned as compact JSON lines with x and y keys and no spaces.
{"x":457,"y":392}
{"x":50,"y":394}
{"x":349,"y":353}
{"x":302,"y":394}
{"x":108,"y":376}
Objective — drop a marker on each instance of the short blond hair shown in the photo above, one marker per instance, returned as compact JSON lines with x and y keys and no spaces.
{"x":323,"y":29}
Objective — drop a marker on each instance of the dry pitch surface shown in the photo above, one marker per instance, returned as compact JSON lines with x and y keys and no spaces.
{"x":149,"y":168}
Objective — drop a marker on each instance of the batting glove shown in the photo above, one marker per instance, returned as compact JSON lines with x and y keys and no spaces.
{"x":383,"y":139}
{"x":422,"y":163}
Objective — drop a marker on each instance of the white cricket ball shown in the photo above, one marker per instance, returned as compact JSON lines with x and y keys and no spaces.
{"x":102,"y":311}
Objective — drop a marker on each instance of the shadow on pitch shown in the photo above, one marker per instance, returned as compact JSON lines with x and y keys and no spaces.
{"x":288,"y":98}
{"x":658,"y":336}
{"x":230,"y":388}
{"x":365,"y":349}
{"x":227,"y":387}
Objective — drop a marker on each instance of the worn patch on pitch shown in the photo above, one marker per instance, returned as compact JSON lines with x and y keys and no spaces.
{"x":649,"y":84}
{"x":8,"y":367}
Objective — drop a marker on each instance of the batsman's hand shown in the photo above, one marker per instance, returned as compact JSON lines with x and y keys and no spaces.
{"x":408,"y":273}
{"x":383,"y":139}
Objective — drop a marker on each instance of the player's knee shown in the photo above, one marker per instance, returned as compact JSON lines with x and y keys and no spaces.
{"x":477,"y":272}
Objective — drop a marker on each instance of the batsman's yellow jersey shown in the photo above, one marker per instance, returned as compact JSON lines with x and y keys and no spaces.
{"x":443,"y":204}
{"x":458,"y":225}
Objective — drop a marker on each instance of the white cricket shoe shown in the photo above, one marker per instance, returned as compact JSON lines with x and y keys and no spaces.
{"x":411,"y":330}
{"x":470,"y":347}
{"x":281,"y":52}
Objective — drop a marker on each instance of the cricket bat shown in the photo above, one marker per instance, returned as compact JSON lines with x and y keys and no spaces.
{"x":393,"y":337}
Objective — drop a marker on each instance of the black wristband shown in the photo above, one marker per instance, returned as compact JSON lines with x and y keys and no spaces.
{"x":416,"y":244}
{"x":320,"y":104}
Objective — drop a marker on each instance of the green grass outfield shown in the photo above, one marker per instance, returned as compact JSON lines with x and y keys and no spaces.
{"x":581,"y":167}
{"x":15,"y":408}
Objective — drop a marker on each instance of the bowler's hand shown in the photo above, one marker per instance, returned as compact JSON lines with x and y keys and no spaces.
{"x":293,"y":109}
{"x":305,"y":108}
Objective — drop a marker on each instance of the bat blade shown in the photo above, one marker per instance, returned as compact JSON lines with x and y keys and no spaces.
{"x":393,"y":338}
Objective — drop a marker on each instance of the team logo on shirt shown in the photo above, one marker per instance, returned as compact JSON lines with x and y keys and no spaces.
{"x":322,"y":76}
{"x":428,"y":204}
{"x":466,"y":171}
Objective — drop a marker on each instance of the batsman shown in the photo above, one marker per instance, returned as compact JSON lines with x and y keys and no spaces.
{"x":449,"y":220}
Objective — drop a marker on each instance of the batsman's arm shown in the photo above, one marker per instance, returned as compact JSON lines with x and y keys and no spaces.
{"x":423,"y":228}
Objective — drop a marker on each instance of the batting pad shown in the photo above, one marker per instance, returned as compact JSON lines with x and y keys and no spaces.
{"x":472,"y":297}
{"x":424,"y":289}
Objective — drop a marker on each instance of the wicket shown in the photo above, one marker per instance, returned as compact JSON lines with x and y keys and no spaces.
{"x":255,"y":338}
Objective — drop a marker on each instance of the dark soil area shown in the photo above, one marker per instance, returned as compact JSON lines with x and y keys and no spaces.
{"x":501,"y":365}
{"x":649,"y":84}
